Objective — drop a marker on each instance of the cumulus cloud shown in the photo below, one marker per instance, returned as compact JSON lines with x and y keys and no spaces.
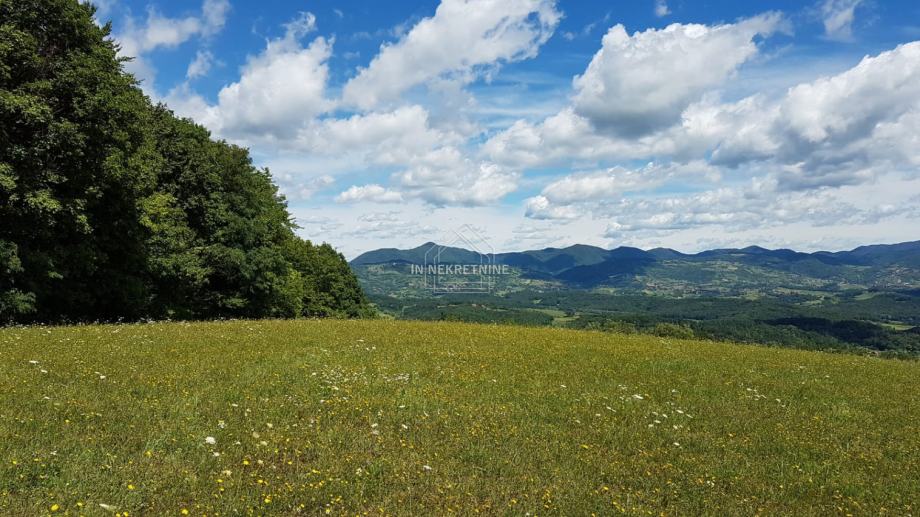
{"x":461,"y":36}
{"x":539,"y":207}
{"x":445,"y":176}
{"x":661,"y":8}
{"x":758,"y":205}
{"x":201,"y":65}
{"x":279,"y":91}
{"x":295,"y":188}
{"x":441,"y":177}
{"x":614,"y":182}
{"x":838,"y":17}
{"x":372,"y":193}
{"x":384,"y":137}
{"x":158,"y":31}
{"x":637,"y":84}
{"x":836,"y":130}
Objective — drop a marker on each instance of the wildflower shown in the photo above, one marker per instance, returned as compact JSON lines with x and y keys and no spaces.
{"x":33,"y":362}
{"x":210,"y":440}
{"x":426,"y":467}
{"x":55,"y":507}
{"x":184,"y":511}
{"x":131,"y":487}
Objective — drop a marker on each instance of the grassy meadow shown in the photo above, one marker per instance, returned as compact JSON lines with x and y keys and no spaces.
{"x":390,"y":417}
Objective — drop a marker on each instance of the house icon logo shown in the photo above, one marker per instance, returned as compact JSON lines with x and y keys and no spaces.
{"x":465,"y":263}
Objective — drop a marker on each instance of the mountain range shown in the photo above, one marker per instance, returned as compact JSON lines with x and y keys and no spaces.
{"x":661,"y":270}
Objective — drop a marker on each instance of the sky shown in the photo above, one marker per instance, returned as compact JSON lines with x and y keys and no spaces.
{"x":678,"y":123}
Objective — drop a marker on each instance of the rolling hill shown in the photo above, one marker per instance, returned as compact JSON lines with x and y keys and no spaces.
{"x":732,"y":272}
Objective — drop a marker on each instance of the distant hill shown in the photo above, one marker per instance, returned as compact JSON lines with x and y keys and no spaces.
{"x":661,"y":270}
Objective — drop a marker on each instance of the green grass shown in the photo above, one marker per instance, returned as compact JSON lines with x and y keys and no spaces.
{"x":389,"y":417}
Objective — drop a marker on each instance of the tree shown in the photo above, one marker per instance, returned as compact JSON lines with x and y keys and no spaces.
{"x":111,"y":207}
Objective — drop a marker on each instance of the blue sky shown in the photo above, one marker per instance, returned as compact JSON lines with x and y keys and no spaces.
{"x":690,"y":124}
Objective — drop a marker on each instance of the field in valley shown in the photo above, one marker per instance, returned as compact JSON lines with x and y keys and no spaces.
{"x":394,"y":417}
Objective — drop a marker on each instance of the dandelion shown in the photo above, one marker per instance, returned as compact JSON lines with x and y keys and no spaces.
{"x":55,"y":507}
{"x":210,"y":440}
{"x":184,"y":511}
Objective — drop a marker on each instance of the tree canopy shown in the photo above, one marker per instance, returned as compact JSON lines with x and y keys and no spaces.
{"x":113,"y":208}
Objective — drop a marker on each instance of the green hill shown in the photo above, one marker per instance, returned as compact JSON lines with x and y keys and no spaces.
{"x":385,"y":417}
{"x":732,"y":272}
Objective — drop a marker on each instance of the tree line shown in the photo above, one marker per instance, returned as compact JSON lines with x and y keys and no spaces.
{"x":112,"y":207}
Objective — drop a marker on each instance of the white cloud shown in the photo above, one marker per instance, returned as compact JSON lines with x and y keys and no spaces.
{"x":461,"y":36}
{"x":838,"y":17}
{"x":294,"y":188}
{"x":760,"y":205}
{"x":637,"y":84}
{"x":446,"y":177}
{"x":835,"y":130}
{"x":159,"y":31}
{"x":386,"y":137}
{"x":539,"y":207}
{"x":614,"y":182}
{"x":371,"y":193}
{"x":661,"y":8}
{"x":215,"y":15}
{"x":279,"y":92}
{"x":201,"y":65}
{"x":441,"y":177}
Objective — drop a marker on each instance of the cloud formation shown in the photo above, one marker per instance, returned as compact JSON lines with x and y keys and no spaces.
{"x":838,"y":17}
{"x":461,"y":37}
{"x":637,"y":84}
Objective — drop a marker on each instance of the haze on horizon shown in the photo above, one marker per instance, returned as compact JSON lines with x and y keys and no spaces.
{"x":549,"y":123}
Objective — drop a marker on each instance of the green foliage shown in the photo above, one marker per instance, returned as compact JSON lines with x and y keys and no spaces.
{"x":113,"y":208}
{"x":672,"y":330}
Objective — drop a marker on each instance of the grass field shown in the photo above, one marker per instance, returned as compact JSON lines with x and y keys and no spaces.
{"x":387,"y":417}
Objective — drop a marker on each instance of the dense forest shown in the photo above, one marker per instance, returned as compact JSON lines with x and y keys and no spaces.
{"x":113,"y":208}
